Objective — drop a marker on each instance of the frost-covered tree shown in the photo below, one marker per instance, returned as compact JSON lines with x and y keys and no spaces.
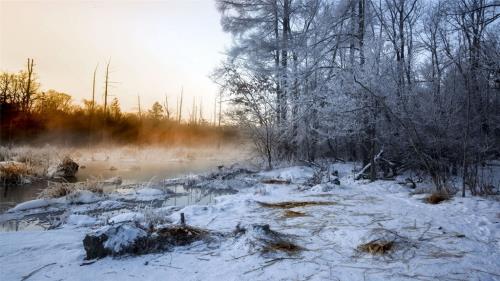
{"x":392,"y":83}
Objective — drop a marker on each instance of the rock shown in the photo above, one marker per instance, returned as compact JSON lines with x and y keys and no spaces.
{"x":94,"y":246}
{"x":66,"y":169}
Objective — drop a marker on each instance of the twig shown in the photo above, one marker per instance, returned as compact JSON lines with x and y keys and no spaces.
{"x":269,"y":263}
{"x":35,"y":271}
{"x":88,"y":262}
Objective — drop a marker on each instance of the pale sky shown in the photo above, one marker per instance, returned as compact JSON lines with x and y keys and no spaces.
{"x":155,"y":47}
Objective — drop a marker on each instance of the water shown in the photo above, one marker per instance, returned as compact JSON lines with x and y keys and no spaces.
{"x":134,"y":172}
{"x":182,"y":196}
{"x":130,"y":172}
{"x":10,"y":196}
{"x":24,"y":225}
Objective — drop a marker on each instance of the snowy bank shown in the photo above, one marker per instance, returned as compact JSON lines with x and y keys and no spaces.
{"x":456,"y":239}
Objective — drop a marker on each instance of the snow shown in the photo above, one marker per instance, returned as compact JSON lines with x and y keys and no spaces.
{"x":81,"y":220}
{"x":140,"y":194}
{"x":120,"y":236}
{"x":298,"y":174}
{"x":77,"y":197}
{"x":458,"y":239}
{"x":149,"y":192}
{"x":38,"y":203}
{"x":83,"y":197}
{"x":324,"y":187}
{"x":125,"y":217}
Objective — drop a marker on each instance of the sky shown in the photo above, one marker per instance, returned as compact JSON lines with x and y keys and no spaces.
{"x":154,"y":48}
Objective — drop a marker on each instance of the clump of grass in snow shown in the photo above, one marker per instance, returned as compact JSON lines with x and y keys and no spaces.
{"x":154,"y":216}
{"x":268,"y":240}
{"x":437,"y":197}
{"x":377,"y":247}
{"x":281,"y":246}
{"x":180,"y":235}
{"x":294,"y":204}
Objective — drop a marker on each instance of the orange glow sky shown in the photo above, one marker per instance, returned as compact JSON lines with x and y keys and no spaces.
{"x":155,"y":47}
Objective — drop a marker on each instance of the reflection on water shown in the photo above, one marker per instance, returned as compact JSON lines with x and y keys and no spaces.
{"x":13,"y":195}
{"x":24,"y":225}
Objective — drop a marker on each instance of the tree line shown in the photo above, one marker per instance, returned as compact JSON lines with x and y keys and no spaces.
{"x":394,"y":84}
{"x":30,"y":115}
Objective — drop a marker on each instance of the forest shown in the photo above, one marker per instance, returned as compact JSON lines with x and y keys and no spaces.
{"x":29,"y":116}
{"x":395,"y":84}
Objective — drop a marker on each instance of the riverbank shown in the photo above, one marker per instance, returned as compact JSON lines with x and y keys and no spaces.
{"x":328,"y":224}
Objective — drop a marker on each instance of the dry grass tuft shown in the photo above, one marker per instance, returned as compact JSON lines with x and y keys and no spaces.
{"x":294,"y":204}
{"x":60,"y":189}
{"x":13,"y":173}
{"x":180,"y":235}
{"x":281,"y":246}
{"x":377,"y":247}
{"x":275,"y":181}
{"x":293,"y":214}
{"x":56,"y":190}
{"x":437,"y":197}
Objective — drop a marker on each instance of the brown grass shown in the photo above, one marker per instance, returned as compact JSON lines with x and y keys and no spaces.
{"x":377,"y":247}
{"x":436,"y":198}
{"x":60,"y":189}
{"x":181,"y":235}
{"x":282,"y":246}
{"x":275,"y":181}
{"x":294,"y":204}
{"x":293,"y":214}
{"x":13,"y":173}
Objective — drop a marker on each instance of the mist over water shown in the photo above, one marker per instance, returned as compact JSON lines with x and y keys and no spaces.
{"x":146,"y":165}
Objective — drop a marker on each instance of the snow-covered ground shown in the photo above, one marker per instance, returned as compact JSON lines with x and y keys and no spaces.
{"x":458,"y":239}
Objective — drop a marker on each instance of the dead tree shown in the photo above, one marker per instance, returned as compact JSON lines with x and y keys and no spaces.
{"x":180,"y":106}
{"x":106,"y":84}
{"x":28,"y":92}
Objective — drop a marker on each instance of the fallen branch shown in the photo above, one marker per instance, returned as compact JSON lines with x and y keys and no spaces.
{"x":375,"y":159}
